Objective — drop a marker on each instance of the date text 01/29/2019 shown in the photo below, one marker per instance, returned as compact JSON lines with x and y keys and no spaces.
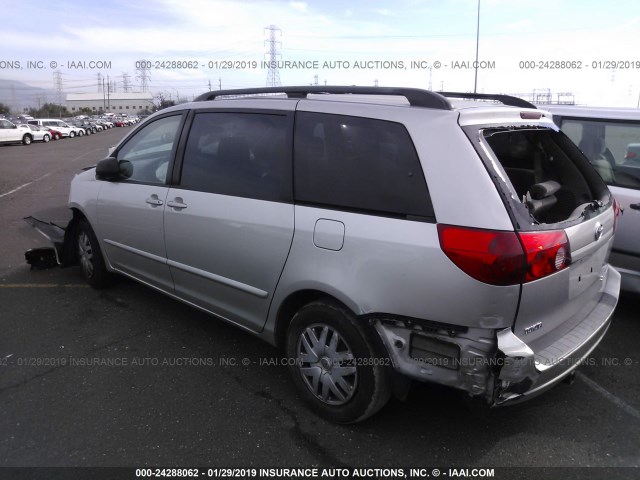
{"x":579,"y":65}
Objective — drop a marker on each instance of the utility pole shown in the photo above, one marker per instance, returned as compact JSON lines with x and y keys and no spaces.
{"x":209,"y":85}
{"x":100,"y":83}
{"x":273,"y":75}
{"x":475,"y":82}
{"x":219,"y":83}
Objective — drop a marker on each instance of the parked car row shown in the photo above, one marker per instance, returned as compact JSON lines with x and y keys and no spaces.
{"x":47,"y":129}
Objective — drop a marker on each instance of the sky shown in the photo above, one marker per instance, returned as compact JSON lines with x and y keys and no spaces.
{"x":589,"y":49}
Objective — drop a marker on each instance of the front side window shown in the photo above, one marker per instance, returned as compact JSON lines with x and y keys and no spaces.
{"x":146,"y":156}
{"x":613,"y":148}
{"x":358,"y":164}
{"x":239,"y":154}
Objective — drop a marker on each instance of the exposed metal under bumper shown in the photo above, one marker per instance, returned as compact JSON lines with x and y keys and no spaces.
{"x":525,"y":374}
{"x":52,"y":232}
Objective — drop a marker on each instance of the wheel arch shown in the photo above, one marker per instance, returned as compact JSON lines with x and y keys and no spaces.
{"x":298,"y":299}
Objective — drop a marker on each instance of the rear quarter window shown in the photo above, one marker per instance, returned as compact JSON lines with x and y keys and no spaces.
{"x":359,"y":164}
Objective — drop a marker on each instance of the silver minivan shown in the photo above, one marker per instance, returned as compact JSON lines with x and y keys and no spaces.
{"x":610,"y":139}
{"x":378,"y":235}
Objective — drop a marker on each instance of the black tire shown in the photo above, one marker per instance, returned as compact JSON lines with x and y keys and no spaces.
{"x":90,"y":257}
{"x":46,"y":137}
{"x":80,"y":133}
{"x":27,"y":139}
{"x":360,"y":387}
{"x":72,"y":134}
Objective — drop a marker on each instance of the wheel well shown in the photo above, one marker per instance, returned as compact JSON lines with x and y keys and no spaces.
{"x":70,"y":256}
{"x":291,"y":305}
{"x":297,"y":300}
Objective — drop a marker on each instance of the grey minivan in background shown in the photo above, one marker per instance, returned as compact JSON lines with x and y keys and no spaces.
{"x":610,"y":139}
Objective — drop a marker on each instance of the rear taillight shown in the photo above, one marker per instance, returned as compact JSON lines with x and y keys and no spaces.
{"x":505,"y":258}
{"x":547,"y":253}
{"x":630,"y":155}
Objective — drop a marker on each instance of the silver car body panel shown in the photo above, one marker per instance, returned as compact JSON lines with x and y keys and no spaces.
{"x":226,"y":253}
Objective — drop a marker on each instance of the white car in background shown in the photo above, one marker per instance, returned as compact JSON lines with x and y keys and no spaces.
{"x":54,"y":123}
{"x":40,"y":134}
{"x":610,"y":139}
{"x":12,"y":133}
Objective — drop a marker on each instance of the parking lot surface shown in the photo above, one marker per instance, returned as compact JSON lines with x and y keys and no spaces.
{"x":129,"y":377}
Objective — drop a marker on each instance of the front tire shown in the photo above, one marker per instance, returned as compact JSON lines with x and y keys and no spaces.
{"x":46,"y":137}
{"x":90,"y":257}
{"x":72,"y":134}
{"x":27,"y":139}
{"x":334,"y":363}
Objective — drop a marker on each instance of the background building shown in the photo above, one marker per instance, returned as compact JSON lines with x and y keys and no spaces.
{"x":116,"y":102}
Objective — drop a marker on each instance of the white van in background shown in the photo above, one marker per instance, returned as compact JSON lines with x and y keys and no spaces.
{"x":610,"y":138}
{"x":57,"y":124}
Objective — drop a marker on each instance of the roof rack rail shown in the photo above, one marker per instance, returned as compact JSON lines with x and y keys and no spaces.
{"x":415,"y":96}
{"x":506,"y":99}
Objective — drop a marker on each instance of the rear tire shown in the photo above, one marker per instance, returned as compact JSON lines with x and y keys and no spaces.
{"x":90,"y":257}
{"x":334,"y":363}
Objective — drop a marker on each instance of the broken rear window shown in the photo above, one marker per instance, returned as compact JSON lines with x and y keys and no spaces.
{"x":548,"y":178}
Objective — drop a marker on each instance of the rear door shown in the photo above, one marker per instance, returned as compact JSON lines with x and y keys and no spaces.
{"x":229,"y":218}
{"x":565,"y":219}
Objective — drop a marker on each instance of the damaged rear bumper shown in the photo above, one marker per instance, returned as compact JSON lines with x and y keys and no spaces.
{"x":495,"y":364}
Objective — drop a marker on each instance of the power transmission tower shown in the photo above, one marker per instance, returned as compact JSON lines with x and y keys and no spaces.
{"x":143,"y":75}
{"x":57,"y":83}
{"x":273,"y":76}
{"x":126,"y":86}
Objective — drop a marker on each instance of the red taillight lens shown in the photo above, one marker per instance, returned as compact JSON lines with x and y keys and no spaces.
{"x":630,"y":155}
{"x":505,"y":258}
{"x":490,"y":256}
{"x":547,"y":253}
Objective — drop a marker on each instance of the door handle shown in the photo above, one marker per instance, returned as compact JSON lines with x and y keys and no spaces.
{"x":154,"y":200}
{"x":176,"y":203}
{"x":635,"y":206}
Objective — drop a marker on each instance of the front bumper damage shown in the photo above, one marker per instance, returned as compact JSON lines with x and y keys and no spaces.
{"x":57,"y":231}
{"x":496,"y":365}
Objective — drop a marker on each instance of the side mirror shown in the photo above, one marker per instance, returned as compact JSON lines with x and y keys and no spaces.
{"x":108,"y":169}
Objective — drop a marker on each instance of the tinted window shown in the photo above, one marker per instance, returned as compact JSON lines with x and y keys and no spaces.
{"x":146,"y":156}
{"x":239,"y":154}
{"x":613,"y":148}
{"x":358,"y":163}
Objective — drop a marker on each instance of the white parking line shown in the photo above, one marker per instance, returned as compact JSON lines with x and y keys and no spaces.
{"x":25,"y":185}
{"x":608,"y":395}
